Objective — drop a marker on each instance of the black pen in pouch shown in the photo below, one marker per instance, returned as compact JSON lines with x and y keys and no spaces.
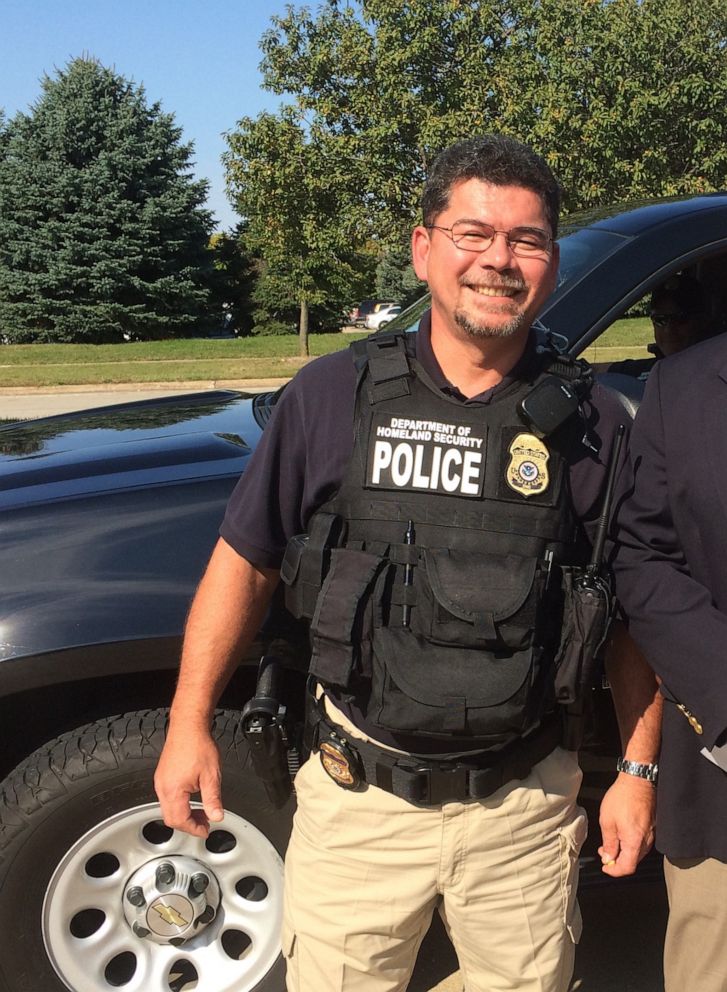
{"x":408,"y":574}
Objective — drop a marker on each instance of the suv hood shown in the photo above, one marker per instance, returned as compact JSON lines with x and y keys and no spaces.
{"x":203,"y":435}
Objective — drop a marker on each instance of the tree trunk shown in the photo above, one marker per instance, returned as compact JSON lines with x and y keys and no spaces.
{"x":303,"y":329}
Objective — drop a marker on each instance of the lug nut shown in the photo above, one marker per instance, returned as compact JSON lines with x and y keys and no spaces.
{"x":207,"y":916}
{"x":140,"y":931}
{"x":199,"y":882}
{"x":165,"y":873}
{"x":135,"y":895}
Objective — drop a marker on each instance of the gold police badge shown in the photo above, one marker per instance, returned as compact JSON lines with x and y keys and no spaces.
{"x":340,"y":762}
{"x":527,"y":471}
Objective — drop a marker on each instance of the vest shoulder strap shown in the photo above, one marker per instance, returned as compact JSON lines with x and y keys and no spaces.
{"x":382,"y":362}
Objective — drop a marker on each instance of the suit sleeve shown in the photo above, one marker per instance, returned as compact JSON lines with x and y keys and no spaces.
{"x":671,"y":615}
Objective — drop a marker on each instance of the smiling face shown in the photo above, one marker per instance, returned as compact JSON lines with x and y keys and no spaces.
{"x":494,"y":293}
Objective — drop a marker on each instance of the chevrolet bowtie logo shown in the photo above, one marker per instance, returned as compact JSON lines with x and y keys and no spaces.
{"x":170,"y":915}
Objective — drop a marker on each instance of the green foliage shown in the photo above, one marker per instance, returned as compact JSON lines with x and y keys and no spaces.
{"x":289,"y":185}
{"x":625,"y":98}
{"x":395,"y":277}
{"x":234,"y":273}
{"x":102,"y":230}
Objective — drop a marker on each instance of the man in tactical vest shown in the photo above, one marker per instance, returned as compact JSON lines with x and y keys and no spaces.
{"x":429,"y":503}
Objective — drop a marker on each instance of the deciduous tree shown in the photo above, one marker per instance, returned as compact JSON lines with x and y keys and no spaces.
{"x":291,"y":187}
{"x":625,"y":98}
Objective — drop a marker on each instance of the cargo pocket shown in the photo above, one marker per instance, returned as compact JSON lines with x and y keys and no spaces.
{"x":571,"y":837}
{"x":287,"y":946}
{"x":341,"y":627}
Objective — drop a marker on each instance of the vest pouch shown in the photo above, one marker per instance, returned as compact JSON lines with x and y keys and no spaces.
{"x":341,"y":628}
{"x":453,"y":691}
{"x":306,"y":562}
{"x":476,"y":600}
{"x":586,"y":619}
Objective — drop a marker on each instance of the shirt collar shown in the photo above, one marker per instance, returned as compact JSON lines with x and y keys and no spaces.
{"x":522,"y":370}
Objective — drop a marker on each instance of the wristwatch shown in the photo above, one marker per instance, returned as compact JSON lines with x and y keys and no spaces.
{"x":640,"y":770}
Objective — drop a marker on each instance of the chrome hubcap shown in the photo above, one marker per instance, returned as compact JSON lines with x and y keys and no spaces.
{"x":134,"y":905}
{"x":170,"y":900}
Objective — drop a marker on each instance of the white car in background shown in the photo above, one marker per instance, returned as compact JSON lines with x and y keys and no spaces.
{"x":375,"y":321}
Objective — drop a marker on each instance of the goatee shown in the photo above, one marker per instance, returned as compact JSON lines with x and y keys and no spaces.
{"x":481,"y":329}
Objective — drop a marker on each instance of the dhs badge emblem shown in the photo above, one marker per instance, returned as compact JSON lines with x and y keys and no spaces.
{"x":527,"y":470}
{"x":340,"y":762}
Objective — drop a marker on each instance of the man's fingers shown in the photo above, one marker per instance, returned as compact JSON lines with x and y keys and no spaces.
{"x":178,"y":814}
{"x":211,"y":794}
{"x":186,"y":767}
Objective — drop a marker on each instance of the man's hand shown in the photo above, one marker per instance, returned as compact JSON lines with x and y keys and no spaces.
{"x":189,"y":763}
{"x":227,"y":611}
{"x":627,"y":824}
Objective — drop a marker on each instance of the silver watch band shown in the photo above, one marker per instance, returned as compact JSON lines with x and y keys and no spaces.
{"x":640,"y":770}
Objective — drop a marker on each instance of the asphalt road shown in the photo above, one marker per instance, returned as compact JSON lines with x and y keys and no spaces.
{"x":623,"y":922}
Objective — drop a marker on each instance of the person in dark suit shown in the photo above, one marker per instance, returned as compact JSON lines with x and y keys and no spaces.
{"x":671,"y":579}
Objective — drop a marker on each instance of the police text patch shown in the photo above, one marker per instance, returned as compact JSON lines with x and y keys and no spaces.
{"x":426,"y":455}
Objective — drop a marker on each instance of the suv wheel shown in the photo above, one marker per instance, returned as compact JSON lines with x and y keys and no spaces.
{"x":96,"y":893}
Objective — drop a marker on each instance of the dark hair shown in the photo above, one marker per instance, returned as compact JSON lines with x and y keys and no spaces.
{"x":492,"y":158}
{"x":684,"y":291}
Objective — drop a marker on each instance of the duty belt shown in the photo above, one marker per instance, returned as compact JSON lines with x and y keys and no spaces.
{"x":425,"y":781}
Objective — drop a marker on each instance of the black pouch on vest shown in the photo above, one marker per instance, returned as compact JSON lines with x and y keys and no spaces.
{"x":306,"y":563}
{"x":442,"y":702}
{"x":586,"y":618}
{"x":475,"y":600}
{"x":342,"y":625}
{"x":468,"y":662}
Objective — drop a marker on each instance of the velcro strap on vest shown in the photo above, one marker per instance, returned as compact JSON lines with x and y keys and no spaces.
{"x":387,"y":367}
{"x":431,"y":781}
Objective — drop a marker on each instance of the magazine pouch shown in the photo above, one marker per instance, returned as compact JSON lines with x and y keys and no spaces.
{"x":306,"y":563}
{"x":341,"y":628}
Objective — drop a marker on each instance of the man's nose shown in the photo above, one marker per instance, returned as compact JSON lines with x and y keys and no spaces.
{"x":499,"y":254}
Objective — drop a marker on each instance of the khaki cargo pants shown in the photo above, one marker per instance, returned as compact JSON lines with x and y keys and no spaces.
{"x":365,"y":871}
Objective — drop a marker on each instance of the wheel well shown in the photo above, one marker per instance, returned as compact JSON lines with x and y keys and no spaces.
{"x":33,"y":717}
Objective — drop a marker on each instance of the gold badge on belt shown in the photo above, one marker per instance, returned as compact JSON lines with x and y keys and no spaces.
{"x":340,"y":762}
{"x":527,"y":470}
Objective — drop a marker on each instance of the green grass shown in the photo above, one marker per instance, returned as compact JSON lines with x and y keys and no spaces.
{"x":38,"y":365}
{"x":195,"y":360}
{"x":626,"y":338}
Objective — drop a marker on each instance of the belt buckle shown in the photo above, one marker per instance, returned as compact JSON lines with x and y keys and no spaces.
{"x":443,"y":783}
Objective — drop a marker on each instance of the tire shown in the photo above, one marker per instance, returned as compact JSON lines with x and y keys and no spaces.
{"x":80,"y":829}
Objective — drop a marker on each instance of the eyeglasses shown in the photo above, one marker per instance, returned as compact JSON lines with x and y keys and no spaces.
{"x":662,"y":319}
{"x":527,"y":242}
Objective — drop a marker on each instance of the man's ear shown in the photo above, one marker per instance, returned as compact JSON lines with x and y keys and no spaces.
{"x":420,"y":246}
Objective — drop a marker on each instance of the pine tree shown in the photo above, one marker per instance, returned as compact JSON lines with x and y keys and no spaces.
{"x":103,"y":236}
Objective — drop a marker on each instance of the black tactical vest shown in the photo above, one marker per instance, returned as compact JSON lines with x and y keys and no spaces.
{"x":431,"y":578}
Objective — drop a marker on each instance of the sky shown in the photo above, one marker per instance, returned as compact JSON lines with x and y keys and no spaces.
{"x":198,"y":59}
